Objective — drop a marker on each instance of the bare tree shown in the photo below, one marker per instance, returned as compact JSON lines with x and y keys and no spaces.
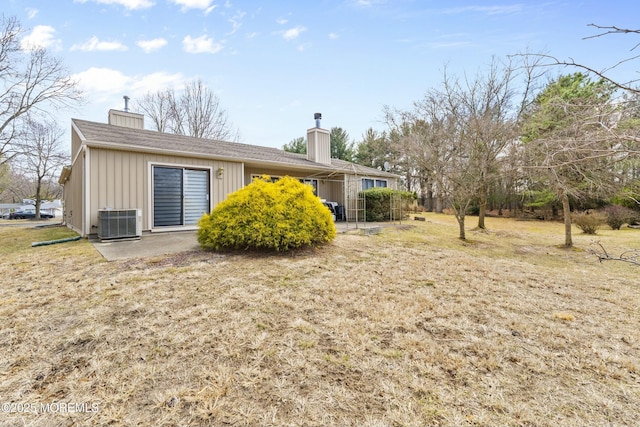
{"x":17,"y":186}
{"x":203,"y":113}
{"x":158,"y":107}
{"x":195,"y":112}
{"x":490,"y":124}
{"x":419,"y":140}
{"x":456,"y":135}
{"x":30,"y":81}
{"x":41,"y":156}
{"x":5,"y":180}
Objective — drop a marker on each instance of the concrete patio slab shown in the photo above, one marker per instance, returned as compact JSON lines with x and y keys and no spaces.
{"x":158,"y":244}
{"x":150,"y":245}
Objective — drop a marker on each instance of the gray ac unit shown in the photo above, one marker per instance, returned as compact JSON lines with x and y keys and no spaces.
{"x":119,"y":224}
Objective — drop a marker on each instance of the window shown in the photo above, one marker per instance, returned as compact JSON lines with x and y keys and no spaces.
{"x":368,"y":183}
{"x":274,"y":178}
{"x":313,"y":183}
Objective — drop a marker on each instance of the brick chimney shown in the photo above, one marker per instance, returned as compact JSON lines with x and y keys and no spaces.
{"x":318,"y":143}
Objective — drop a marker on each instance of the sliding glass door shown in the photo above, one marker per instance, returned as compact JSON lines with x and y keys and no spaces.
{"x":180,"y":195}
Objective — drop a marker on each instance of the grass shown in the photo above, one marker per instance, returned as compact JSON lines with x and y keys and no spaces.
{"x":409,"y":327}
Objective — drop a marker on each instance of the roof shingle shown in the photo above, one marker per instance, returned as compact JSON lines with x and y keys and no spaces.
{"x":130,"y":139}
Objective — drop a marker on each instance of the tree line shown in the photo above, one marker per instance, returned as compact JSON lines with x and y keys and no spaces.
{"x":513,"y":137}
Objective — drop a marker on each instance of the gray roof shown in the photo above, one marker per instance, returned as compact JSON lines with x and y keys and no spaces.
{"x":130,"y":139}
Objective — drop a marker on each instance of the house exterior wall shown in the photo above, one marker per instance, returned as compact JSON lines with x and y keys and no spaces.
{"x":76,"y":144}
{"x":335,"y":189}
{"x":73,"y":208}
{"x":72,"y":190}
{"x":122,"y":180}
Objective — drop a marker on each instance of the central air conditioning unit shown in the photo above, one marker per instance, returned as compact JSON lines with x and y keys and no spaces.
{"x":119,"y":224}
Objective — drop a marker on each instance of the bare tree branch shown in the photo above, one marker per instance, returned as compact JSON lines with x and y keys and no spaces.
{"x":610,"y":30}
{"x":30,"y":81}
{"x":196,"y":112}
{"x":631,"y":256}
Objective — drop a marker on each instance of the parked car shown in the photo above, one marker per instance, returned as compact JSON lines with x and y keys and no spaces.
{"x":28,"y":215}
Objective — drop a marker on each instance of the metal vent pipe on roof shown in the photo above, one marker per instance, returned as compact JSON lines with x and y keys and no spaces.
{"x":317,"y":117}
{"x":126,"y":103}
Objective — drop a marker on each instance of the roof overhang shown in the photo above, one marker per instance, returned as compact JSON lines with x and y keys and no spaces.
{"x":64,"y":174}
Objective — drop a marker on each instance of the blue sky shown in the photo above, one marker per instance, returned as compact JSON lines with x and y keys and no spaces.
{"x":275,"y":63}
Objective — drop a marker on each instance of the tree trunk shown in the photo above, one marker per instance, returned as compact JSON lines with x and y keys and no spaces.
{"x":38,"y":198}
{"x":483,"y":207}
{"x":429,"y":200}
{"x":460,"y":219}
{"x":439,"y":202}
{"x":566,"y":208}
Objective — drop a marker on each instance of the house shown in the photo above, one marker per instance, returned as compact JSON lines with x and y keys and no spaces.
{"x":173,"y":179}
{"x":52,"y":207}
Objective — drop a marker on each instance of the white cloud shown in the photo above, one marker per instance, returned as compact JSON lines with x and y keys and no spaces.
{"x":128,"y":4}
{"x":102,"y":82}
{"x":205,"y":5}
{"x":42,"y":36}
{"x":293,"y":33}
{"x":152,"y":45}
{"x":333,"y":36}
{"x":94,"y":44}
{"x":31,"y":12}
{"x":202,"y":44}
{"x":236,"y":22}
{"x":156,"y":81}
{"x":108,"y":85}
{"x":281,"y":21}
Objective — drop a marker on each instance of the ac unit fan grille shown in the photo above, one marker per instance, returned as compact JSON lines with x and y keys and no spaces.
{"x":118,"y":224}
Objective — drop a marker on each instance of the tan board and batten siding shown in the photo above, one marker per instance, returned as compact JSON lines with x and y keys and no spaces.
{"x":73,"y":206}
{"x":130,"y":185}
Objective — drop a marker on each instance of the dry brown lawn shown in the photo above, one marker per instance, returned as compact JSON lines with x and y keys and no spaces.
{"x":408,"y":328}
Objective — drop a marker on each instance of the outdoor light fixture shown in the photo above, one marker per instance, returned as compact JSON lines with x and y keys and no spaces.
{"x":220,"y":172}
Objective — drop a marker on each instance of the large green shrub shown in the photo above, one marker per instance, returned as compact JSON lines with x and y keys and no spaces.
{"x":378,"y":203}
{"x":279,"y":216}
